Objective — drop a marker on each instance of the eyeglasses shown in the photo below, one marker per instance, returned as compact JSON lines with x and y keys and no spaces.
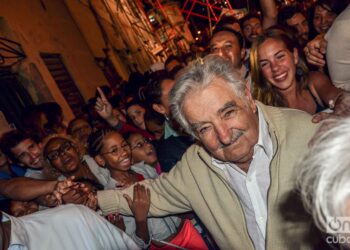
{"x":117,"y":151}
{"x":140,"y":144}
{"x":64,"y":148}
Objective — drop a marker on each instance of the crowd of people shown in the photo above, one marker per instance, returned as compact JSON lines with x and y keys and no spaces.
{"x":217,"y":153}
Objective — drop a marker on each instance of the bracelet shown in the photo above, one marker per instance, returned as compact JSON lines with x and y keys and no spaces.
{"x":331,"y":103}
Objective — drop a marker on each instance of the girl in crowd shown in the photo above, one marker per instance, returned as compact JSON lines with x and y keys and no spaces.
{"x":111,"y":150}
{"x":155,"y":123}
{"x":136,"y":111}
{"x":281,"y":77}
{"x":142,"y":150}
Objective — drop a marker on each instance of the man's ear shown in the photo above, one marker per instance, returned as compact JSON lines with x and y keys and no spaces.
{"x":158,"y":108}
{"x":100,"y":161}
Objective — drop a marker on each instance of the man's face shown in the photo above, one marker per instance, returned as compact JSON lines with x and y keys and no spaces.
{"x":226,"y":45}
{"x":28,"y":153}
{"x":299,"y":22}
{"x":252,"y":28}
{"x":225,"y":124}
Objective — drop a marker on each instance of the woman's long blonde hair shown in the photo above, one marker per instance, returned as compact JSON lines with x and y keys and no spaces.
{"x":263,"y":90}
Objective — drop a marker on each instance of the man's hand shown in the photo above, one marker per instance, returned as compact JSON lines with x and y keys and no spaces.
{"x":91,"y":201}
{"x":141,"y":203}
{"x":315,"y":51}
{"x":341,"y":109}
{"x":50,"y":200}
{"x":76,"y":195}
{"x":117,"y":220}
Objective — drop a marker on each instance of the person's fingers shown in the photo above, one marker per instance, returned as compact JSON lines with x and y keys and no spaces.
{"x":136,"y":192}
{"x":148,"y":193}
{"x":315,"y":60}
{"x":102,"y":95}
{"x":317,"y":54}
{"x":128,"y":199}
{"x":320,"y":116}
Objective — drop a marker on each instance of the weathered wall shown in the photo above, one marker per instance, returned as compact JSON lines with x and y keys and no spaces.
{"x":47,"y":26}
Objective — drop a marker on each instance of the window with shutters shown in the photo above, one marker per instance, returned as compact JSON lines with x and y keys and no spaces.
{"x":64,"y":81}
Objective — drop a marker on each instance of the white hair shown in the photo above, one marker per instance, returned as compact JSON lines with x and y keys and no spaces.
{"x":198,"y":75}
{"x":324,"y":174}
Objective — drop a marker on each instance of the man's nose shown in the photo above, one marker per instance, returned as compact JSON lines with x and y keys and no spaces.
{"x":32,"y":155}
{"x":222,"y":52}
{"x":223,"y":133}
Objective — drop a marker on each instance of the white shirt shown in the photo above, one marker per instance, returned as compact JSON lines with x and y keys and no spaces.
{"x":35,"y":174}
{"x":252,"y":187}
{"x":68,"y":227}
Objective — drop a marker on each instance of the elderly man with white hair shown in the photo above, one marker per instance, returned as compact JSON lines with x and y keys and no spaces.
{"x":239,"y":177}
{"x":324,"y":182}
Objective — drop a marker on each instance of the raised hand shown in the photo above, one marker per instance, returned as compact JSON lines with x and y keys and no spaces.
{"x":315,"y":51}
{"x":141,"y":203}
{"x":104,"y":108}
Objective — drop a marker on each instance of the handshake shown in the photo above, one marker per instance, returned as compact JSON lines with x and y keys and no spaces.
{"x":69,"y":191}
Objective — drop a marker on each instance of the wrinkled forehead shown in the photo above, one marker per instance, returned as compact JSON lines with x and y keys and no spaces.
{"x":211,"y":95}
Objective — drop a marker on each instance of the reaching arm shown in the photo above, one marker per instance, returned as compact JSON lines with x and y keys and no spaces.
{"x":25,"y":189}
{"x":269,"y":11}
{"x":334,"y":98}
{"x":168,"y":194}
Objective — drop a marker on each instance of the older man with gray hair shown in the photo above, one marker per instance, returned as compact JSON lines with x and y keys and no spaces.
{"x":238,"y":178}
{"x":324,"y":182}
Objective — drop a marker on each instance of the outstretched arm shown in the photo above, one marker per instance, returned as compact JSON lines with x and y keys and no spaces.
{"x":25,"y":189}
{"x":168,"y":194}
{"x":269,"y":12}
{"x":334,"y":98}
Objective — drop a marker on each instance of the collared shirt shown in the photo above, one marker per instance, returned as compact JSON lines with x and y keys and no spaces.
{"x":168,"y":130}
{"x":66,"y":227}
{"x":252,"y":187}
